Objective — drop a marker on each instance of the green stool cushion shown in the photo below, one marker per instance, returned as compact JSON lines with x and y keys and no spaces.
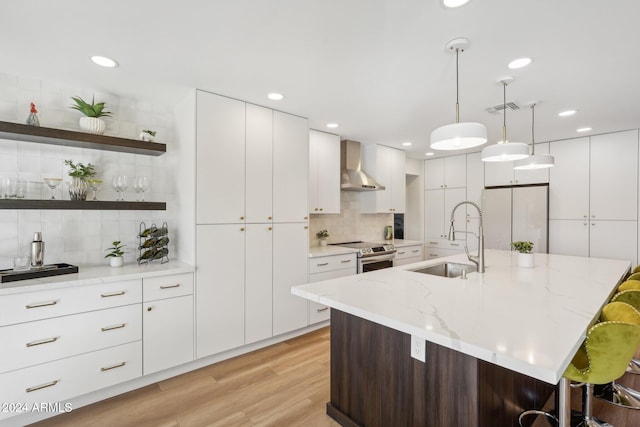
{"x":634,"y":276}
{"x":636,"y":270}
{"x":628,"y":285}
{"x":631,"y":297}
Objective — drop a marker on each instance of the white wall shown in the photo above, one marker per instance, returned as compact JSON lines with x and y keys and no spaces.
{"x":79,"y":237}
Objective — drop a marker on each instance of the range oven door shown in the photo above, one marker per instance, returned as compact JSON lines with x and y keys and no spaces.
{"x":377,"y":262}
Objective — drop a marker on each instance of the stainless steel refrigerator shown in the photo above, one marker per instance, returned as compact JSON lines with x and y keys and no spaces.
{"x":516,"y":213}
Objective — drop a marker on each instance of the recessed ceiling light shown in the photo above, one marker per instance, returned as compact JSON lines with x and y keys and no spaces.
{"x":455,"y":3}
{"x":587,"y":129}
{"x":332,"y":125}
{"x":429,"y":154}
{"x":567,"y":113}
{"x":274,"y":96}
{"x":103,"y":61}
{"x":519,"y":63}
{"x":406,"y":144}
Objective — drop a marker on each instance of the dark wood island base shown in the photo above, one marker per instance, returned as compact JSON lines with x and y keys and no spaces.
{"x":375,"y":382}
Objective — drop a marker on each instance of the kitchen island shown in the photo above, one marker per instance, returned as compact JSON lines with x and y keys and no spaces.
{"x":496,"y":343}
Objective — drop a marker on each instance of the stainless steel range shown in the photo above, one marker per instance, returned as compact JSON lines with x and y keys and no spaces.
{"x":372,"y":256}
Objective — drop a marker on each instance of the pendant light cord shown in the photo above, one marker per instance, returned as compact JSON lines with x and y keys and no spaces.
{"x":504,"y":112}
{"x":457,"y":90}
{"x":533,"y":121}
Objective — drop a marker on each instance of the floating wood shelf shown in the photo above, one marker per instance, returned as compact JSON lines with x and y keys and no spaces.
{"x":43,"y":135}
{"x":81,"y":205}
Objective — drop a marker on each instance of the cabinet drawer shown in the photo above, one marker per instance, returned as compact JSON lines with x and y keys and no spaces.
{"x":409,"y":252}
{"x":432,"y":253}
{"x":171,"y":286}
{"x":71,"y":377}
{"x":330,"y":263}
{"x":30,"y":306}
{"x":445,"y":244}
{"x":318,"y":312}
{"x":31,"y":343}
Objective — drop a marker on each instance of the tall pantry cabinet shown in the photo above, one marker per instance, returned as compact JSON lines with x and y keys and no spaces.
{"x":251,"y":222}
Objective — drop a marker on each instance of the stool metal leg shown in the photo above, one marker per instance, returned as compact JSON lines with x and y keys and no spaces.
{"x":587,"y":407}
{"x":620,"y":395}
{"x":634,"y":366}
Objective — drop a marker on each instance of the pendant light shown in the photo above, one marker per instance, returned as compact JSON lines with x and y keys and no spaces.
{"x":534,"y":161}
{"x":505,"y":151}
{"x":458,"y":136}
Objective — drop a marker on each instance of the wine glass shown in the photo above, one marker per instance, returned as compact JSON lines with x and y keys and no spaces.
{"x":119,"y":183}
{"x":52,"y":183}
{"x":94,"y":184}
{"x":140,"y":185}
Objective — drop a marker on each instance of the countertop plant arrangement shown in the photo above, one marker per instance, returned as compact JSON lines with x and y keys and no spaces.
{"x":80,"y":174}
{"x":115,"y":254}
{"x":522,"y":247}
{"x":90,"y":110}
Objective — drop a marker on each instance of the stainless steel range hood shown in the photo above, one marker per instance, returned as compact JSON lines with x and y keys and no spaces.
{"x":353,"y":178}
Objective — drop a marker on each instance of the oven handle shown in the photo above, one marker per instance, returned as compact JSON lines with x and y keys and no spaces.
{"x":391,"y":253}
{"x":378,"y":258}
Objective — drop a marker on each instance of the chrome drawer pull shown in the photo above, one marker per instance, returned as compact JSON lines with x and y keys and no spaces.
{"x":400,"y":253}
{"x":108,"y":368}
{"x":322,"y":309}
{"x":433,"y":243}
{"x":40,"y":387}
{"x":113,"y":294}
{"x":455,"y":244}
{"x":111,"y":328}
{"x":170,"y":286}
{"x":323,"y":264}
{"x":433,"y":254}
{"x":40,"y":342}
{"x":415,"y":250}
{"x":345,"y":261}
{"x":42,"y":304}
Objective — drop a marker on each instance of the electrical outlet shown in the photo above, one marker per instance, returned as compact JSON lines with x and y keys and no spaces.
{"x":418,"y":348}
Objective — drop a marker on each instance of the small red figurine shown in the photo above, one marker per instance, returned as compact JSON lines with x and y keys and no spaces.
{"x":33,"y":119}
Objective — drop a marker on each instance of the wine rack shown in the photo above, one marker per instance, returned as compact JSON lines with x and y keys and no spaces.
{"x":153,"y":243}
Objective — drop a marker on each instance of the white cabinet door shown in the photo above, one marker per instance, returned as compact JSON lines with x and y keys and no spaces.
{"x":220,"y":166}
{"x":535,"y":176}
{"x":498,"y":174}
{"x":434,"y":216}
{"x":613,"y":239}
{"x":290,"y":263}
{"x":258,"y":282}
{"x":475,"y":180}
{"x":398,"y":181}
{"x":434,"y":174}
{"x":324,"y":172}
{"x":259,"y":170}
{"x":569,"y":179}
{"x":290,"y":168}
{"x":455,"y":171}
{"x":219,"y":288}
{"x":614,"y":176}
{"x":496,"y":210}
{"x":569,"y":237}
{"x":168,"y":333}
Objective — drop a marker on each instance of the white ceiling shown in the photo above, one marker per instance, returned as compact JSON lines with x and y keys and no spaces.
{"x":376,"y":67}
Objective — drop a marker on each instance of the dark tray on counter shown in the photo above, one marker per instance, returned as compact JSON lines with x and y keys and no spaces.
{"x":48,"y":270}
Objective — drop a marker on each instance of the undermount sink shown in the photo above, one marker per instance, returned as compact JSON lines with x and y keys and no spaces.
{"x":447,"y":269}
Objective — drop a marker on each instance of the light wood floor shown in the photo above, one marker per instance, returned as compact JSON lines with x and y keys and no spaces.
{"x":284,"y":385}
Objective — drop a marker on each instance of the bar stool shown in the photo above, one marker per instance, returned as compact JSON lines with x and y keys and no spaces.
{"x":628,"y":285}
{"x":634,"y":276}
{"x":595,"y":362}
{"x":613,"y":392}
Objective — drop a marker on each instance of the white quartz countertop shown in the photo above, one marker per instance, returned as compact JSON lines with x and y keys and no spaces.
{"x":530,"y":320}
{"x":92,"y":275}
{"x":401,"y":243}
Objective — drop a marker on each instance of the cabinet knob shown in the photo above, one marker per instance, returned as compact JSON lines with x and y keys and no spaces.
{"x":445,"y":186}
{"x":320,"y":209}
{"x":593,"y":223}
{"x":305,"y":227}
{"x":593,"y":216}
{"x":241,"y":228}
{"x":241,"y":218}
{"x":316,"y":209}
{"x":306,"y":217}
{"x":270,"y":228}
{"x":270,"y":218}
{"x":149,"y":309}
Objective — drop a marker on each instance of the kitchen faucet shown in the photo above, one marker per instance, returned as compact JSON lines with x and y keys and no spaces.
{"x":479,"y":259}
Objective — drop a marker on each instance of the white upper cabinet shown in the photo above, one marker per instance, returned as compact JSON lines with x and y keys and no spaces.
{"x":475,"y":180}
{"x":614,"y":176}
{"x":445,"y":172}
{"x":502,"y":173}
{"x":324,"y":173}
{"x":569,"y":179}
{"x":387,"y":166}
{"x":220,"y":159}
{"x":259,"y":164}
{"x":290,"y":168}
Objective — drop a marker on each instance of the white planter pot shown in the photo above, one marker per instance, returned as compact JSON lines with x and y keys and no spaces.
{"x":116,"y":261}
{"x":525,"y":260}
{"x":92,"y":125}
{"x":323,"y":242}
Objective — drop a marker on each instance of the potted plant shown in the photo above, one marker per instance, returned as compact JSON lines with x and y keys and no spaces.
{"x":115,"y":254}
{"x":92,"y":122}
{"x":79,"y":174}
{"x":525,"y":257}
{"x":147,"y":135}
{"x":322,"y":236}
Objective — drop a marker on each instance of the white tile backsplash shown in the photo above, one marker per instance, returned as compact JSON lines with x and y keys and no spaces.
{"x":79,"y":237}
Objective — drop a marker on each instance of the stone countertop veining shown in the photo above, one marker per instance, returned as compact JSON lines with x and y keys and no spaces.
{"x":95,"y":274}
{"x":530,"y":320}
